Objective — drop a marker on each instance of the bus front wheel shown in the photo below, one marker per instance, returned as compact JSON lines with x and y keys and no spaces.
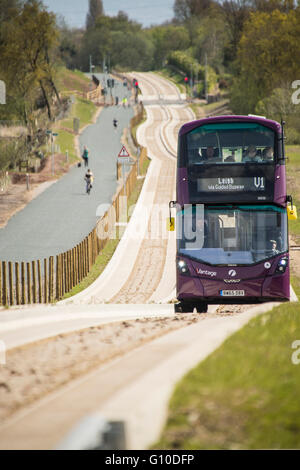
{"x":183,"y":307}
{"x":201,"y":307}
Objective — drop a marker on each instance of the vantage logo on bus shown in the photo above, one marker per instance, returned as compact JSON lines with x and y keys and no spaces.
{"x":254,"y":183}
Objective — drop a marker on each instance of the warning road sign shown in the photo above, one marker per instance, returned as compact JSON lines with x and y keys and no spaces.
{"x":123,"y":153}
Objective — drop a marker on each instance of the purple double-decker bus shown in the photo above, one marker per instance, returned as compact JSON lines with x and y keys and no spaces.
{"x":232,"y":229}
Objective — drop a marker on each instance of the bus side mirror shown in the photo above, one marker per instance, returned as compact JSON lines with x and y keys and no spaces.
{"x":171,"y":220}
{"x":171,"y":224}
{"x":292,"y":212}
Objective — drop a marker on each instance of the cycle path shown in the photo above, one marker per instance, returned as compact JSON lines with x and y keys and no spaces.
{"x":64,"y":214}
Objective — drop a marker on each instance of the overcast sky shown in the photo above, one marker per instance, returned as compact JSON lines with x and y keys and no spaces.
{"x":146,"y":12}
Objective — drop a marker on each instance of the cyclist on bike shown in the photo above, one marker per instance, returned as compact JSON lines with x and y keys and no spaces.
{"x":89,"y":178}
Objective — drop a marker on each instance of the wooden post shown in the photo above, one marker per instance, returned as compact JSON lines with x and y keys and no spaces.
{"x":81,"y":262}
{"x":58,"y":294}
{"x":67,"y":272}
{"x":11,"y":285}
{"x":4,"y":284}
{"x":17,"y":274}
{"x":33,"y":282}
{"x":45,"y":281}
{"x":40,"y":281}
{"x":51,"y":279}
{"x":23,"y":282}
{"x":62,"y":267}
{"x":86,"y":253}
{"x":28,"y":283}
{"x":70,"y":270}
{"x":73,"y":268}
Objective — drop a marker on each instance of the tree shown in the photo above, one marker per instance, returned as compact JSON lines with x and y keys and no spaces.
{"x":26,"y":58}
{"x":275,"y":39}
{"x":95,"y":10}
{"x":185,"y":9}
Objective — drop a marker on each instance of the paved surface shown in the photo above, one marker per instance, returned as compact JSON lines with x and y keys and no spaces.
{"x":61,"y":216}
{"x":23,"y":326}
{"x":134,"y":388}
{"x":143,"y":268}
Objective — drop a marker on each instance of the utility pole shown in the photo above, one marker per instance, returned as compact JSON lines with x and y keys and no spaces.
{"x":205,"y":79}
{"x":191,"y":81}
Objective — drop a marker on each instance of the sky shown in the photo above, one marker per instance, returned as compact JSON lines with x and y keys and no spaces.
{"x":146,"y":12}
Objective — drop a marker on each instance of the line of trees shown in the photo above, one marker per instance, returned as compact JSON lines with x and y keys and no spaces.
{"x":28,"y":41}
{"x":251,"y":45}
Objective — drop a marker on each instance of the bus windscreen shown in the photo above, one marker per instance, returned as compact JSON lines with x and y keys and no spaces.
{"x":241,"y":235}
{"x":230,"y":142}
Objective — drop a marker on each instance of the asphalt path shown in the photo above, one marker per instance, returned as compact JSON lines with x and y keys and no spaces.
{"x":64,"y":214}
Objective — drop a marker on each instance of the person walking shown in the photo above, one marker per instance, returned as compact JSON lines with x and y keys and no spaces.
{"x":85,"y":156}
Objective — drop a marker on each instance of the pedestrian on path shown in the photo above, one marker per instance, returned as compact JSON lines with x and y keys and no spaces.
{"x":115,"y":123}
{"x":85,"y":156}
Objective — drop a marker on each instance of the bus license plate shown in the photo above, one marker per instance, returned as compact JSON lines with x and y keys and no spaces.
{"x":232,"y":293}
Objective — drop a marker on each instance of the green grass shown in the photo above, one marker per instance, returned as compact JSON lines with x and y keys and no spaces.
{"x":66,"y":141}
{"x":174,"y":77}
{"x":69,"y":81}
{"x":82,"y":109}
{"x":202,"y":109}
{"x":245,"y":395}
{"x":135,"y":128}
{"x":110,"y":247}
{"x":101,"y":261}
{"x":293,"y":187}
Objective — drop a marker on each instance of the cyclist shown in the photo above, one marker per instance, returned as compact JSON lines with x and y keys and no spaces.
{"x":89,"y":178}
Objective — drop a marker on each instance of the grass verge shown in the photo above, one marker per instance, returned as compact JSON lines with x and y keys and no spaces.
{"x":245,"y":395}
{"x":201,"y":110}
{"x":292,"y":171}
{"x":174,"y":77}
{"x":106,"y":254}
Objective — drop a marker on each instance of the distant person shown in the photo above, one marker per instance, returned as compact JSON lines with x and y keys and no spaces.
{"x":230,"y":158}
{"x":85,"y":156}
{"x":211,"y":156}
{"x":89,"y":178}
{"x":268,"y":154}
{"x":273,"y":247}
{"x":115,"y":123}
{"x":251,"y":155}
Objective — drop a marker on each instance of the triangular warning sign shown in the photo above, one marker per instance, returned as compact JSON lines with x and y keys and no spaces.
{"x":123,"y":152}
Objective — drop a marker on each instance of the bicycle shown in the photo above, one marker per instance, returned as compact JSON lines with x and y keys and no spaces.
{"x":88,"y":187}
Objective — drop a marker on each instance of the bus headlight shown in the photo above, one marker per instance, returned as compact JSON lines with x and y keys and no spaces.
{"x":282,"y":265}
{"x":182,"y":267}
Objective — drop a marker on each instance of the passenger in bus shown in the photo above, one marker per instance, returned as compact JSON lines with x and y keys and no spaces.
{"x":251,"y":155}
{"x":211,"y":155}
{"x":275,"y":250}
{"x":230,"y":158}
{"x":267,"y":154}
